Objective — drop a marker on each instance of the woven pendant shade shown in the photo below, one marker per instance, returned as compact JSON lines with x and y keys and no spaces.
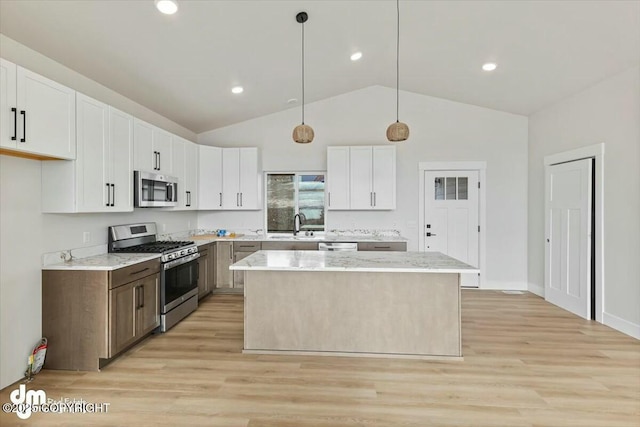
{"x":303,"y":134}
{"x":397,"y":132}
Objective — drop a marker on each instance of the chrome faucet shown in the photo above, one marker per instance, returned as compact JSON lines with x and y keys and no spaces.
{"x":297,"y":225}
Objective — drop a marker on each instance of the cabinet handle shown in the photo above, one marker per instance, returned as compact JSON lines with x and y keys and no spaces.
{"x":113,"y":195}
{"x":15,"y":124}
{"x":237,"y":199}
{"x":108,"y":195}
{"x":371,"y":199}
{"x":139,"y":271}
{"x":141,"y":287}
{"x":155,"y":161}
{"x":382,"y":247}
{"x":24,"y":126}
{"x":329,"y":198}
{"x":188,"y":199}
{"x":231,"y":253}
{"x":374,"y":199}
{"x":159,"y":161}
{"x":240,"y":199}
{"x":221,"y":199}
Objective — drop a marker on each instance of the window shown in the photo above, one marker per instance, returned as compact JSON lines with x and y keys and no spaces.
{"x":294,"y":193}
{"x":451,"y":187}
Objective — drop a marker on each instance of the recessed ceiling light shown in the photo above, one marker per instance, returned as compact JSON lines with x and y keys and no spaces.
{"x":292,"y":101}
{"x":237,"y":89}
{"x":489,"y":66}
{"x":356,"y":56}
{"x":168,"y":7}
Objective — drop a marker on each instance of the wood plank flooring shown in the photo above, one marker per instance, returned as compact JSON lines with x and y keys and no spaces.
{"x":526,"y":364}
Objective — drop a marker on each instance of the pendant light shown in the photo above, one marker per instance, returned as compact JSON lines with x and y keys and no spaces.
{"x":302,"y":134}
{"x":398,"y":131}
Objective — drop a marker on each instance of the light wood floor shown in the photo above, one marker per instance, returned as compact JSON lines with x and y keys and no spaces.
{"x":526,"y":363}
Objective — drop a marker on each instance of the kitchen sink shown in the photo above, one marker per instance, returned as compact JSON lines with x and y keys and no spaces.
{"x":291,"y":237}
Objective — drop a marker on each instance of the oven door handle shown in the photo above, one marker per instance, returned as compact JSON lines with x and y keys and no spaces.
{"x":180,"y":261}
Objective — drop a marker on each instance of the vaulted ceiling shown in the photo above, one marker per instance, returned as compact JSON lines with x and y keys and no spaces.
{"x":184,"y":65}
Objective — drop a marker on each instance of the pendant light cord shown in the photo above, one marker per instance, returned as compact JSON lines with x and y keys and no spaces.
{"x":303,"y":73}
{"x":398,"y":62}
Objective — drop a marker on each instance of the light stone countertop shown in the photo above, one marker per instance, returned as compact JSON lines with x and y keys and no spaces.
{"x":318,"y":239}
{"x":401,"y":262}
{"x":102,"y":262}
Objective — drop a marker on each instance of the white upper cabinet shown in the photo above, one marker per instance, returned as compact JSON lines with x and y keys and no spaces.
{"x":338,"y":178}
{"x":209,"y":177}
{"x":240,"y":179}
{"x":38,"y":115}
{"x":152,"y":149}
{"x":185,"y":167}
{"x":361,"y":177}
{"x":101,"y":177}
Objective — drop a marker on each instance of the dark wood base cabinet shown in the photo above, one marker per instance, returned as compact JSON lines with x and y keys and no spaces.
{"x":90,"y":316}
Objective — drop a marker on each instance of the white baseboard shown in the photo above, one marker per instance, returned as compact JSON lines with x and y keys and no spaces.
{"x":624,"y":326}
{"x":504,"y":286}
{"x":536,"y":289}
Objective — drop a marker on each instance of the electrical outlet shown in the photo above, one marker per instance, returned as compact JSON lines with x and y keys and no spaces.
{"x":86,"y":237}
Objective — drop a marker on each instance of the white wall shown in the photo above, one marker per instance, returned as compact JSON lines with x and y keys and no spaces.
{"x":608,"y":112}
{"x":441,"y":130}
{"x":26,"y":233}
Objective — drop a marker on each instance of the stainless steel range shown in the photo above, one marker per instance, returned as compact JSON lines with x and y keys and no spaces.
{"x":179,"y":272}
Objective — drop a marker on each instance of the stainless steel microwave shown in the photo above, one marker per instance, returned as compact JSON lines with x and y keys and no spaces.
{"x":152,"y":190}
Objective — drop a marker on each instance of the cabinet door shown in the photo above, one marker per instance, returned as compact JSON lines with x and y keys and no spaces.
{"x":121,"y":160}
{"x":178,"y":160}
{"x":209,"y":177}
{"x":47,"y":116}
{"x":148,"y":305}
{"x":384,"y":177}
{"x":203,"y":273}
{"x":230,"y":178}
{"x":92,"y":163}
{"x":224,"y":258}
{"x":8,"y":118}
{"x":122,"y":303}
{"x":162,"y":145}
{"x":249,"y":179}
{"x":191,"y":174}
{"x":360,"y":162}
{"x":144,"y":158}
{"x":338,"y":178}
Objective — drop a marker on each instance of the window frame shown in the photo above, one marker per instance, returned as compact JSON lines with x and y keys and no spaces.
{"x":296,"y":192}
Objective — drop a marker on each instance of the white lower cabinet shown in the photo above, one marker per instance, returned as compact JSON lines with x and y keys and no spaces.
{"x":101,"y":177}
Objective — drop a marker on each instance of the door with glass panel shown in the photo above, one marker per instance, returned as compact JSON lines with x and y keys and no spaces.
{"x":294,"y":193}
{"x":451,"y":217}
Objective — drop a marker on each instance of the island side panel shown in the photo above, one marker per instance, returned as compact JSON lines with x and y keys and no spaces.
{"x":359,"y":312}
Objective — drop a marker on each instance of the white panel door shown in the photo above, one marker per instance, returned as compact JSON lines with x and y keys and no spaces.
{"x":144,"y":158}
{"x":209,"y":177}
{"x":92,"y":162}
{"x":8,"y":106}
{"x":248,"y":179}
{"x":191,"y":174}
{"x":162,"y":146}
{"x":47,"y":116}
{"x":178,"y":161}
{"x":384,"y":177}
{"x":451,"y":217}
{"x":360,"y":171}
{"x":121,"y":159}
{"x":568,"y":241}
{"x":230,"y":178}
{"x":338,"y":178}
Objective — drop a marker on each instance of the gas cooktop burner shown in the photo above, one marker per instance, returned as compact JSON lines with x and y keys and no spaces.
{"x":156,"y":247}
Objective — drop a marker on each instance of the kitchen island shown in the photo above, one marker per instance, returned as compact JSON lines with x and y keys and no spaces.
{"x":379,"y":304}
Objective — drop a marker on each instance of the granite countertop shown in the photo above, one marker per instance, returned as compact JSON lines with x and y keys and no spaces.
{"x":102,"y":262}
{"x":319,"y":239}
{"x":401,"y":262}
